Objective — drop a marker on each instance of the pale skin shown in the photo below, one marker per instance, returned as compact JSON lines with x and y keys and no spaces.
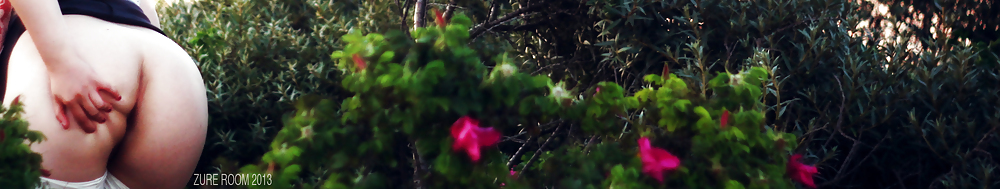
{"x":151,"y":138}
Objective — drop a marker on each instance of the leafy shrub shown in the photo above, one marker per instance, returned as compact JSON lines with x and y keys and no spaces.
{"x":256,"y":57}
{"x":871,"y":112}
{"x":868,"y":113}
{"x":21,"y":168}
{"x":408,"y":91}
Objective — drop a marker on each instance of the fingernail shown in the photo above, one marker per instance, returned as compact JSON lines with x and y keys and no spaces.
{"x":119,"y":98}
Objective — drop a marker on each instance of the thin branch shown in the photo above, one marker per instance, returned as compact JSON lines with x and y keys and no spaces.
{"x":540,"y":148}
{"x":494,"y":6}
{"x":855,"y":168}
{"x":520,"y":151}
{"x":586,"y":148}
{"x":977,"y":149}
{"x":524,"y":27}
{"x":840,"y":119}
{"x":417,"y":167}
{"x":404,"y":8}
{"x":478,"y":30}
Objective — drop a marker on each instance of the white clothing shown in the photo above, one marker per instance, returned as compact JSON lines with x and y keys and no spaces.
{"x":107,"y":181}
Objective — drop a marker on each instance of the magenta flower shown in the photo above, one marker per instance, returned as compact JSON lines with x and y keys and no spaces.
{"x":725,"y":118}
{"x":469,"y":137}
{"x":801,"y":173}
{"x":656,"y":161}
{"x":512,"y":172}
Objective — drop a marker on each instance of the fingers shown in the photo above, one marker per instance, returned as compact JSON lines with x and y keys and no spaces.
{"x":61,"y":113}
{"x":81,"y":118}
{"x":91,"y":110}
{"x":107,"y":88}
{"x":98,"y":100}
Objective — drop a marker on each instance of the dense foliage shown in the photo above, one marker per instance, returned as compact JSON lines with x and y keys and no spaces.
{"x":21,"y":167}
{"x":917,"y":108}
{"x":409,"y":90}
{"x":868,"y":111}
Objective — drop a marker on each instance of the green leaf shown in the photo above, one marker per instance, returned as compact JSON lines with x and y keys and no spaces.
{"x":738,"y":133}
{"x":702,"y":112}
{"x":654,"y":79}
{"x":682,"y":105}
{"x":733,"y":184}
{"x":719,"y":80}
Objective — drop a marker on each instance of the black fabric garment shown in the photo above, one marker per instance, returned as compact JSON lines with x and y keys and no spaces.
{"x":14,"y":31}
{"x":116,"y":11}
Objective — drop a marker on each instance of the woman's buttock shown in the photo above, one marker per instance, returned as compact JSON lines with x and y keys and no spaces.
{"x":115,"y":53}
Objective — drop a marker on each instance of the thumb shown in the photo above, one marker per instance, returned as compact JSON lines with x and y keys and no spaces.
{"x":102,"y":86}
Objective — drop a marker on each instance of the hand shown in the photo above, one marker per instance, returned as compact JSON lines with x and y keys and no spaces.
{"x":77,"y":90}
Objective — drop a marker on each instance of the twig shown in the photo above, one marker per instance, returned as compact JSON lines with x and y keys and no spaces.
{"x":977,"y":149}
{"x":478,"y":30}
{"x":855,"y":146}
{"x":494,"y":5}
{"x":586,"y":148}
{"x":417,"y":166}
{"x":523,"y":27}
{"x":404,"y":8}
{"x":840,"y":119}
{"x":540,"y":148}
{"x":520,"y":151}
{"x":900,"y":179}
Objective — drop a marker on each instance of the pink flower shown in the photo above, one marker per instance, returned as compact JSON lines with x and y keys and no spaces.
{"x":512,"y":172}
{"x":725,"y":118}
{"x":801,"y":172}
{"x":469,"y":136}
{"x":360,"y":62}
{"x":656,"y":161}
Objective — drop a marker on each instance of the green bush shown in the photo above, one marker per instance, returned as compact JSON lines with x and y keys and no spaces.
{"x":409,"y":90}
{"x":256,"y":57}
{"x":867,"y":113}
{"x":21,"y":168}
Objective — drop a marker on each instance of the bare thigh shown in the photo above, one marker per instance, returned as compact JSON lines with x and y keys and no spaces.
{"x":164,"y":142}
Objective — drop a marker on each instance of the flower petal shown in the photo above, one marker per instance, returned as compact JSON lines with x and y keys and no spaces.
{"x":644,"y":143}
{"x":665,"y":159}
{"x":487,"y":136}
{"x":473,"y":151}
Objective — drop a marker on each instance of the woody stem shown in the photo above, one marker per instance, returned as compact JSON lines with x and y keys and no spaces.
{"x":540,"y":148}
